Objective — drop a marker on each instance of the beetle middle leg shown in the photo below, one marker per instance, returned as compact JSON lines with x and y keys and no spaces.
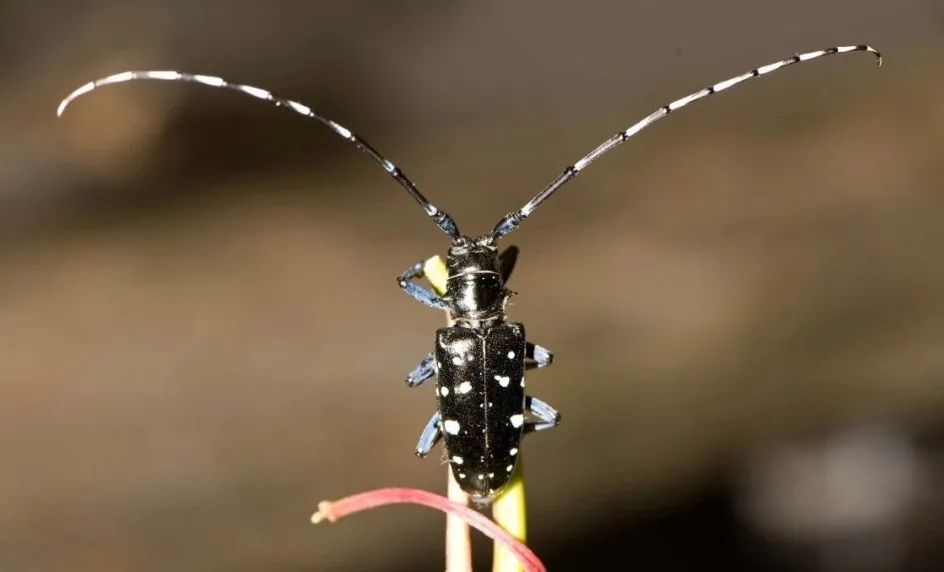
{"x":537,"y":356}
{"x":430,"y":435}
{"x":425,"y":370}
{"x":423,"y":295}
{"x":547,"y":416}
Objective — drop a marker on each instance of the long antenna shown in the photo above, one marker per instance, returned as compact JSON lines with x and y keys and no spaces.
{"x":442,"y":220}
{"x":512,"y":220}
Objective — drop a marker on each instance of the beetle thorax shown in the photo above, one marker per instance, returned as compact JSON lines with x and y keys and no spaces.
{"x":475,"y":288}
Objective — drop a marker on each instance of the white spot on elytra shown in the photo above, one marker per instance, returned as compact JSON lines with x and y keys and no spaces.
{"x":444,"y":391}
{"x":502,"y":380}
{"x":491,"y":475}
{"x":457,"y":460}
{"x":481,"y":476}
{"x":516,"y":420}
{"x":469,"y":357}
{"x":461,"y":475}
{"x":511,"y":355}
{"x":509,"y":468}
{"x":464,"y":388}
{"x":457,"y":360}
{"x":452,"y":426}
{"x":514,"y":451}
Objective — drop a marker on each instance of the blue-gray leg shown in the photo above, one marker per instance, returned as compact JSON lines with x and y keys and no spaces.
{"x":425,"y":370}
{"x":430,"y":435}
{"x":537,"y":356}
{"x":547,"y":416}
{"x":419,"y":293}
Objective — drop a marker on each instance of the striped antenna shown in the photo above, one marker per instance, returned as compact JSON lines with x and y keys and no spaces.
{"x":442,"y":220}
{"x":512,"y":220}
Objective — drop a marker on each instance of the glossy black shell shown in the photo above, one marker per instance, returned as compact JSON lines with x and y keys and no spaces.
{"x":480,"y":393}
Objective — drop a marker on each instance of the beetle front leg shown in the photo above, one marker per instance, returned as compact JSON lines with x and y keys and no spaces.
{"x":425,"y":370}
{"x":430,"y":435}
{"x":423,"y":295}
{"x":537,"y":356}
{"x":548,"y":416}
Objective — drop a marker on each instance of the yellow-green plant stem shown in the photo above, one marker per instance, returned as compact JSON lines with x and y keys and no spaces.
{"x":508,"y":510}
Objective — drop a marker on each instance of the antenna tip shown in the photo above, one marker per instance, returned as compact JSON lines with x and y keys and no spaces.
{"x":72,"y":96}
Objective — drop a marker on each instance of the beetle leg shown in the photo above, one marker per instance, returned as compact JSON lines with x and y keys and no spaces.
{"x":430,"y":435}
{"x":419,"y":293}
{"x":425,"y":370}
{"x":537,"y":356}
{"x":506,"y":262}
{"x":549,"y":417}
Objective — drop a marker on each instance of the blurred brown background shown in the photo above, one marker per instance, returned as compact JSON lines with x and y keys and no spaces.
{"x":201,"y":337}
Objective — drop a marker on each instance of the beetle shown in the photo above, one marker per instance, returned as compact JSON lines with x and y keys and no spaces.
{"x":480,"y":359}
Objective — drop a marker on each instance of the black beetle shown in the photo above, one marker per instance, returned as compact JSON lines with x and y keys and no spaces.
{"x":481,"y":358}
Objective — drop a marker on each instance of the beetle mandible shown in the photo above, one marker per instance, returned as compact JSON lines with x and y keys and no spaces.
{"x":479,"y":360}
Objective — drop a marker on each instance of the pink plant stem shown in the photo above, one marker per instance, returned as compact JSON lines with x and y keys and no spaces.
{"x":333,"y":511}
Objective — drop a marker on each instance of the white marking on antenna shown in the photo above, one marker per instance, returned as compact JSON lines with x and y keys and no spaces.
{"x":722,"y":85}
{"x":811,"y":55}
{"x":117,"y":78}
{"x":77,"y":93}
{"x":210,"y":80}
{"x":340,"y":129}
{"x":303,"y":109}
{"x":168,"y":75}
{"x":255,"y":91}
{"x":769,"y":68}
{"x":687,"y":99}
